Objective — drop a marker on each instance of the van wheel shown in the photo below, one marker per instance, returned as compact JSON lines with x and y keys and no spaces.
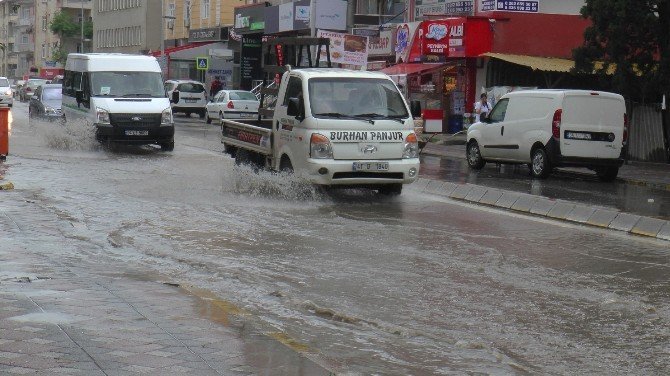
{"x":209,"y":119}
{"x":390,"y":189}
{"x":607,"y":174}
{"x":167,"y":146}
{"x":540,"y":167}
{"x":474,"y":156}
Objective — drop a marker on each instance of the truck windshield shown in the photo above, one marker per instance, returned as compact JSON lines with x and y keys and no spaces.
{"x":369,"y":98}
{"x":127,"y":84}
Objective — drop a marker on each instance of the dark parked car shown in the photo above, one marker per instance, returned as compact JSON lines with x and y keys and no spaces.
{"x":46,"y":102}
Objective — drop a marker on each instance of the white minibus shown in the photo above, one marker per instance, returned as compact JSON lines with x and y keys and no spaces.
{"x":121,"y":95}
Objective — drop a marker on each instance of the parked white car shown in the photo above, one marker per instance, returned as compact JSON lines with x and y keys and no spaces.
{"x":553,"y":128}
{"x":232,"y":104}
{"x":192,"y":97}
{"x":6,"y":93}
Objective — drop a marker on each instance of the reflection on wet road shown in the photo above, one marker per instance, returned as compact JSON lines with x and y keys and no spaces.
{"x":561,"y":185}
{"x":409,"y":285}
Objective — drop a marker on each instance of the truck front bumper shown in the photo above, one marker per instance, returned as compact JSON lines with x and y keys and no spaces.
{"x":341,"y":172}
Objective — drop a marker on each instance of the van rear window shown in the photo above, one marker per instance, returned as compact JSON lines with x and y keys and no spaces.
{"x":190,"y":88}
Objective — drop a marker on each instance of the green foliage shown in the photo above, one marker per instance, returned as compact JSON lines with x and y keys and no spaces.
{"x":88,"y":29}
{"x":59,"y":55}
{"x":630,"y":38}
{"x":62,"y":24}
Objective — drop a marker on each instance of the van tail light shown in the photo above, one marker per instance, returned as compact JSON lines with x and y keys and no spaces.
{"x":231,"y":104}
{"x":625,"y":128}
{"x":556,"y":124}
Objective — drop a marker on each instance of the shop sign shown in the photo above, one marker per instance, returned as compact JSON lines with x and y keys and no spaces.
{"x":381,"y":45}
{"x":241,"y":21}
{"x":250,"y":60}
{"x":450,"y":7}
{"x":376,"y":65}
{"x":260,"y":25}
{"x":286,"y":17}
{"x":518,"y":6}
{"x":444,"y":38}
{"x":487,"y":5}
{"x":345,"y":48}
{"x":366,"y":32}
{"x":331,"y":15}
{"x":205,"y":35}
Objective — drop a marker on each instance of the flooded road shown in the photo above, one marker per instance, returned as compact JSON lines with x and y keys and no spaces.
{"x":409,"y":285}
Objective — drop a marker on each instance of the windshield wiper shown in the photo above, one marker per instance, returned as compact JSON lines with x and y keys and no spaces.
{"x":372,"y":116}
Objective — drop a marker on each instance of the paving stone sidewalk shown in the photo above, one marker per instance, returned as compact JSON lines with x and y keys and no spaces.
{"x":61,"y":314}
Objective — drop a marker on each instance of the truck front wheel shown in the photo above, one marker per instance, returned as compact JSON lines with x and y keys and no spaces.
{"x":245,"y":157}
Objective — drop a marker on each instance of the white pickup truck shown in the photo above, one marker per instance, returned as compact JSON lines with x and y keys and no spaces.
{"x":335,"y":127}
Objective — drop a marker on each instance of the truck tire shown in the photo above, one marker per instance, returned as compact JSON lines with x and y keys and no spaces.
{"x":286,"y":165}
{"x":230,"y":150}
{"x":607,"y":174}
{"x":249,"y":158}
{"x":390,"y":189}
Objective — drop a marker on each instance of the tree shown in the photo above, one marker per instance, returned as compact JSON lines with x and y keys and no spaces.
{"x":630,"y":41}
{"x":63,"y":26}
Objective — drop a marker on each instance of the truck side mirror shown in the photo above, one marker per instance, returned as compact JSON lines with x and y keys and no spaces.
{"x":79,"y":95}
{"x":415,"y":108}
{"x":295,"y":108}
{"x":175,"y":96}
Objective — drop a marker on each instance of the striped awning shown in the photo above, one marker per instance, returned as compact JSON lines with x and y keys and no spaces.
{"x":546,"y":64}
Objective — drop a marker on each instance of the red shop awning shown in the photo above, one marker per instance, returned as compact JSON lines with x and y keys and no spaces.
{"x":410,"y":68}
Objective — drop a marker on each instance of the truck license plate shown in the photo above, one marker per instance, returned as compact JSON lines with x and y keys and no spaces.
{"x":371,"y":166}
{"x":137,"y":133}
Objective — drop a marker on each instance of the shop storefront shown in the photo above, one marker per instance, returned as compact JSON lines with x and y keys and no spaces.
{"x":438,"y":62}
{"x":249,"y":28}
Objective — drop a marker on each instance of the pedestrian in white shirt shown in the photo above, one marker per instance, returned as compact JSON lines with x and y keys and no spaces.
{"x":482,"y":108}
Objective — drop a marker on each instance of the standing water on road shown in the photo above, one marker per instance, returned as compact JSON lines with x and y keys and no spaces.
{"x":374,"y":285}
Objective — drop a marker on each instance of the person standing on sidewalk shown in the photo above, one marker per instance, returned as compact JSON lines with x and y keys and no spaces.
{"x":482,"y":108}
{"x":216,"y":87}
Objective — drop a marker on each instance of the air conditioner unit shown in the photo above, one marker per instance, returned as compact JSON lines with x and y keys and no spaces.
{"x":170,"y":24}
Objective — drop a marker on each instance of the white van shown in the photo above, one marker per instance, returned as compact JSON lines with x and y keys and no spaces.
{"x":121,"y":95}
{"x":553,"y":128}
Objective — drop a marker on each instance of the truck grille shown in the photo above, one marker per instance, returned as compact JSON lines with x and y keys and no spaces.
{"x":135,"y":120}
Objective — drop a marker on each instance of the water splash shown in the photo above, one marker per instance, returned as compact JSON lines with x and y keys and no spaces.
{"x":71,"y":135}
{"x":287,"y":186}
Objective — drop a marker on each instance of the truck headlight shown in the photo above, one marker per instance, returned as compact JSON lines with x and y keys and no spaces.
{"x":320,"y":147}
{"x":166,"y":117}
{"x":8,"y":92}
{"x":102,"y":115}
{"x":411,"y":149}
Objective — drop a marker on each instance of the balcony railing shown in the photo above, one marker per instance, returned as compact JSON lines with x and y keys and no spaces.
{"x":77,"y":4}
{"x":25,"y":22}
{"x":24,"y":47}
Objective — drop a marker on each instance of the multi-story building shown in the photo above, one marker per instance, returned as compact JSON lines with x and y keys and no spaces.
{"x":132,"y":26}
{"x":30,"y":45}
{"x":18,"y":23}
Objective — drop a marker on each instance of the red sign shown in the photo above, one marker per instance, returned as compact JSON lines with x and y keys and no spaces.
{"x":50,"y":73}
{"x":444,"y":37}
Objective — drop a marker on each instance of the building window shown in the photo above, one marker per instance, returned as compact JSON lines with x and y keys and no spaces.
{"x":204,"y":9}
{"x":44,"y":51}
{"x":24,"y":38}
{"x":44,"y":23}
{"x":171,"y":9}
{"x":187,"y":12}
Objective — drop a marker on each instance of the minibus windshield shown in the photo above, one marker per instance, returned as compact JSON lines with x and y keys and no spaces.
{"x":127,"y":84}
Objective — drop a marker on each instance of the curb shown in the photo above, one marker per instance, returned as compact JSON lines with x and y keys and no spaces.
{"x":631,"y":181}
{"x":549,"y":208}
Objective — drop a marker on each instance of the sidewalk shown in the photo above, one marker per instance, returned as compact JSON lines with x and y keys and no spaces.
{"x":647,"y":174}
{"x":652,"y":175}
{"x":68,"y":309}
